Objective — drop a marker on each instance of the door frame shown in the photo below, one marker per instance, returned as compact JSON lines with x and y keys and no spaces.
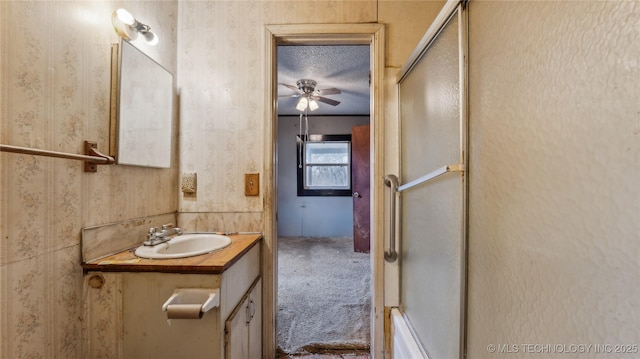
{"x":323,"y":34}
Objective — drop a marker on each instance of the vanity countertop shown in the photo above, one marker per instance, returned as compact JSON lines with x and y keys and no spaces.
{"x":210,"y":263}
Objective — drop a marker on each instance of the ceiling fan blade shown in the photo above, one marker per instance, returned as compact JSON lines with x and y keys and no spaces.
{"x":331,"y":91}
{"x":294,"y":88}
{"x":294,"y":95}
{"x":327,"y":100}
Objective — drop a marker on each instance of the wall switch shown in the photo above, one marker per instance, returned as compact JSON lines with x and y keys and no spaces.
{"x":251,"y":184}
{"x":189,"y":184}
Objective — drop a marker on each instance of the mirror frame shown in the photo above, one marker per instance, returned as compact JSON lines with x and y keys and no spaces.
{"x":142,"y":107}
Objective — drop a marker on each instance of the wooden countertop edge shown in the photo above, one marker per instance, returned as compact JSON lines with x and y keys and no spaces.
{"x":211,"y":263}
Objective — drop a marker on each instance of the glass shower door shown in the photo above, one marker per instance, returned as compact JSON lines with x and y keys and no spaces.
{"x":432,"y":200}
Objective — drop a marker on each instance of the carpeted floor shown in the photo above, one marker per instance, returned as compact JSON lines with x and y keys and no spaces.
{"x":324,"y":296}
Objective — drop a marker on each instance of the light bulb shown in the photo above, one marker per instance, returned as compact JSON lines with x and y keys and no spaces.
{"x":123,"y":22}
{"x":125,"y":17}
{"x":313,"y":105}
{"x":302,"y":104}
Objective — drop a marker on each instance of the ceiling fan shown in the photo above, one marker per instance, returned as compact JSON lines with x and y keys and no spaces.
{"x":309,"y":96}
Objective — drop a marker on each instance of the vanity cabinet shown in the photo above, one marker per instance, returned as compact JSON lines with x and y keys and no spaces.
{"x":123,"y":314}
{"x":243,"y":329}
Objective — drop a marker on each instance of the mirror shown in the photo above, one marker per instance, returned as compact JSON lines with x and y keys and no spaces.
{"x":141,"y":108}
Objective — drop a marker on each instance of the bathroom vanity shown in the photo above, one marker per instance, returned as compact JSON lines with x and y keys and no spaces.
{"x":124,"y":297}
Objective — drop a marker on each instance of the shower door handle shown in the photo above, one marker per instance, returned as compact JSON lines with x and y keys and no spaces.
{"x":391,"y":181}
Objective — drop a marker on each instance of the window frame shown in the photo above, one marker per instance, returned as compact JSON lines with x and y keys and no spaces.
{"x":301,"y":169}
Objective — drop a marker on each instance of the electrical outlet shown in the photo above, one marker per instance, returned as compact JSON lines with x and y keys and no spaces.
{"x":189,"y":183}
{"x":251,"y":184}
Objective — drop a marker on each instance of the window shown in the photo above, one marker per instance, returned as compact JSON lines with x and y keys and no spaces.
{"x":324,"y":165}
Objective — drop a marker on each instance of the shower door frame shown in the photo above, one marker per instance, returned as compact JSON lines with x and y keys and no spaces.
{"x":453,"y":8}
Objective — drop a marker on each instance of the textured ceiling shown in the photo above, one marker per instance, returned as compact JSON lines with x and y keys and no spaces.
{"x":343,"y":67}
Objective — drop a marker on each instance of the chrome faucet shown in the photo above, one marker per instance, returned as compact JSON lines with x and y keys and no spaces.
{"x":168,"y":230}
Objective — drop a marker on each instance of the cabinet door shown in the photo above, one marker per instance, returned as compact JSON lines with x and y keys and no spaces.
{"x":243,"y":329}
{"x":255,"y":324}
{"x":236,"y":332}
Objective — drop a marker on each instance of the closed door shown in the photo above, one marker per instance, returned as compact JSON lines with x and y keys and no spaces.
{"x":243,"y":328}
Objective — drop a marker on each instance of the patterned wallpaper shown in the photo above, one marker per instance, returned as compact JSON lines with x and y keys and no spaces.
{"x":55,"y":94}
{"x":55,"y":68}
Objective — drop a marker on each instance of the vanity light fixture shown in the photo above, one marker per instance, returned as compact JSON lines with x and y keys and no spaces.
{"x":128,"y":27}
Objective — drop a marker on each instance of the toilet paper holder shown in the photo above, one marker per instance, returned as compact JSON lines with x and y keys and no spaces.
{"x":203,"y":299}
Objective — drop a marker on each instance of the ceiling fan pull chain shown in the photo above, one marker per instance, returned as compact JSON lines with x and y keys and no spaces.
{"x":301,"y":139}
{"x":306,"y":124}
{"x":300,"y":127}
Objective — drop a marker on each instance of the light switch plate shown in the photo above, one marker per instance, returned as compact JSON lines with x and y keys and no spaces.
{"x":251,"y":184}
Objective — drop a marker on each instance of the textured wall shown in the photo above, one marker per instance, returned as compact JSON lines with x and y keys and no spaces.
{"x":405,"y":22}
{"x":55,"y":68}
{"x":554,"y":197}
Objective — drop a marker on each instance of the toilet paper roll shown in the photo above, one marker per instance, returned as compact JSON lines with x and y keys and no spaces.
{"x":184,"y":311}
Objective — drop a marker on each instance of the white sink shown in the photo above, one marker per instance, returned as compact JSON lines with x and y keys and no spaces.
{"x":186,"y":245}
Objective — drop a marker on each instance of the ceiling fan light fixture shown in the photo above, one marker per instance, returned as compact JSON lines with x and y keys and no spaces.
{"x":306,"y":86}
{"x":313,"y":105}
{"x":302,"y":104}
{"x":309,"y":97}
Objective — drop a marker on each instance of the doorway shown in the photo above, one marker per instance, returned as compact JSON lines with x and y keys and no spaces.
{"x":324,"y":299}
{"x":362,"y":34}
